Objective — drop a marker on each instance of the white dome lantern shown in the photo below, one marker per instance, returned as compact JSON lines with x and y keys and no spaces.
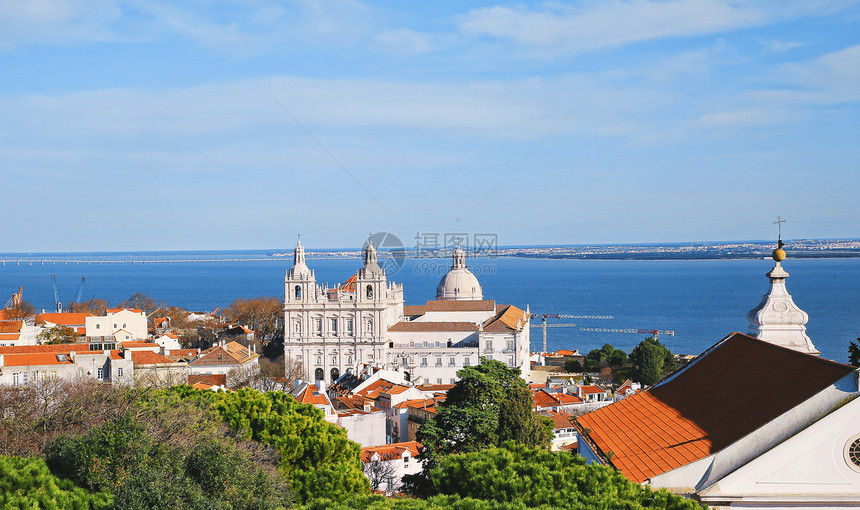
{"x":459,"y":284}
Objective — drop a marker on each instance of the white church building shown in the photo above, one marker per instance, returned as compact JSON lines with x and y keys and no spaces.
{"x":364,"y":322}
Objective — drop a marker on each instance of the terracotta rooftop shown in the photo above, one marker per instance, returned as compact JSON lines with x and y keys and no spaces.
{"x":479,"y":305}
{"x":507,"y":319}
{"x":435,"y":387}
{"x":731,"y":390}
{"x":25,"y":360}
{"x":117,"y":310}
{"x":208,"y":379}
{"x":148,"y":358}
{"x":413,"y":310}
{"x":560,"y":420}
{"x":137,"y":343}
{"x":433,"y":326}
{"x":31,"y":349}
{"x":311,"y":395}
{"x":543,"y":398}
{"x":591,"y":389}
{"x":390,"y":451}
{"x":11,"y":326}
{"x":63,"y":318}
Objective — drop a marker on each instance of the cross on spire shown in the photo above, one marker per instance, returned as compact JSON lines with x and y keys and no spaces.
{"x":779,"y":221}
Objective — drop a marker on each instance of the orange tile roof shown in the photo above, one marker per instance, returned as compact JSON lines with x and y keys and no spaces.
{"x":11,"y":326}
{"x":591,"y":389}
{"x":64,"y":318}
{"x":312,"y":395}
{"x":208,"y":379}
{"x":560,"y":420}
{"x":543,"y":398}
{"x":182,"y":352}
{"x":390,"y":451}
{"x":435,"y":387}
{"x":417,"y":403}
{"x":148,"y":358}
{"x":433,"y":326}
{"x":117,"y":310}
{"x":731,"y":390}
{"x":507,"y":319}
{"x":485,"y":305}
{"x":26,"y":360}
{"x":137,"y":343}
{"x":32,"y":349}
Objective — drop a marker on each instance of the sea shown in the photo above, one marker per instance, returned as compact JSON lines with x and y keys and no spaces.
{"x":701,"y":301}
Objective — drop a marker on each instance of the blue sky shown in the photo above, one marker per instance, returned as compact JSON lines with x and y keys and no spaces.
{"x":133,"y":125}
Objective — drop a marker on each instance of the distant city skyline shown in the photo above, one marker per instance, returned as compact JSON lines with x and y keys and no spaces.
{"x":145,"y":125}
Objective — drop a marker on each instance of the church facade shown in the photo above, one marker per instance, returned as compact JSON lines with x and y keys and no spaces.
{"x":364,"y":322}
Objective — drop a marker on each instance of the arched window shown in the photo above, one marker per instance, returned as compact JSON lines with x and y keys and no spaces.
{"x":298,"y":291}
{"x":370,"y":292}
{"x":319,"y":374}
{"x":335,"y":374}
{"x":406,"y":376}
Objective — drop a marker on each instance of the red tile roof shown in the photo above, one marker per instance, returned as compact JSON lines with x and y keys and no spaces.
{"x":135,"y":343}
{"x":208,"y":379}
{"x":390,"y":451}
{"x":148,"y":358}
{"x":591,"y":389}
{"x":25,"y":360}
{"x":31,"y":349}
{"x":312,"y":395}
{"x":543,"y":398}
{"x":433,"y":326}
{"x":63,"y":318}
{"x":11,"y":326}
{"x":731,"y":390}
{"x":413,"y":310}
{"x":485,"y":305}
{"x":507,"y":319}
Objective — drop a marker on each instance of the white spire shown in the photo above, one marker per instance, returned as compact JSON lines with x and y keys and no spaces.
{"x":299,"y":268}
{"x":777,"y":319}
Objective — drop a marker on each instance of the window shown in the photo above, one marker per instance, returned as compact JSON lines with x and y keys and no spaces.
{"x":100,"y":373}
{"x":423,"y":362}
{"x":335,"y":374}
{"x":319,"y":360}
{"x":98,"y":326}
{"x":368,"y":326}
{"x":319,"y":374}
{"x":334,"y":360}
{"x":119,"y":372}
{"x":114,"y":325}
{"x":439,"y":362}
{"x":54,"y":375}
{"x":439,"y":381}
{"x":453,"y":381}
{"x":25,"y":378}
{"x":510,"y":345}
{"x":466,"y":362}
{"x":404,"y":361}
{"x":123,"y":325}
{"x":349,"y":326}
{"x":510,"y":361}
{"x":349,"y":360}
{"x":452,"y":361}
{"x":318,"y":326}
{"x":370,"y":292}
{"x":333,"y":325}
{"x":298,"y":291}
{"x":15,"y":380}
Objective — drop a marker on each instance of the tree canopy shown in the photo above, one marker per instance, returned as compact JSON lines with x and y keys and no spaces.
{"x":27,"y":483}
{"x":607,"y":356}
{"x":58,"y":335}
{"x":489,"y":405}
{"x":653,"y":361}
{"x":854,"y":353}
{"x":317,"y":458}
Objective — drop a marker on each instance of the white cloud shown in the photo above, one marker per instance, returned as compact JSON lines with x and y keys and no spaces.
{"x":612,"y":23}
{"x":738,"y":118}
{"x":406,"y":41}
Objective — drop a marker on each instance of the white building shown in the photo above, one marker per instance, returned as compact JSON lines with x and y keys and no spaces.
{"x":364,"y":321}
{"x":18,"y":332}
{"x":120,"y":323}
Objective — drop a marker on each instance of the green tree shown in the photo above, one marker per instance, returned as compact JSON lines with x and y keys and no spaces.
{"x":27,"y":483}
{"x":606,"y":356}
{"x":317,"y":458}
{"x":573,"y":366}
{"x":489,"y":405}
{"x":854,"y":353}
{"x":538,"y":478}
{"x":155,"y":457}
{"x":58,"y":335}
{"x":653,"y":361}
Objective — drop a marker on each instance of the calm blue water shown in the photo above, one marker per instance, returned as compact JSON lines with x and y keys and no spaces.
{"x":701,"y":300}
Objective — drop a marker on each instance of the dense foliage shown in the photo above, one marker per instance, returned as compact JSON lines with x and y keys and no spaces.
{"x":607,"y":356}
{"x":537,"y":478}
{"x":316,"y":457}
{"x":169,"y":455}
{"x":653,"y":361}
{"x":854,"y":353}
{"x":376,"y":502}
{"x":489,"y":405}
{"x":27,"y":483}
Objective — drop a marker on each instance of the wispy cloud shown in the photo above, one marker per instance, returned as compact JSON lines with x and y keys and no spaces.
{"x":559,"y":28}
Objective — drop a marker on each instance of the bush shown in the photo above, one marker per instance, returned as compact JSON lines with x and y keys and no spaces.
{"x":27,"y":483}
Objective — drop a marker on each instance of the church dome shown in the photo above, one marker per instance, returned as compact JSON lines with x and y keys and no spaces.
{"x":459,"y":283}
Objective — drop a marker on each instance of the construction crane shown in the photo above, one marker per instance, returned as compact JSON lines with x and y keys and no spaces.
{"x":80,"y":289}
{"x":15,"y":300}
{"x":653,"y":332}
{"x":56,"y":294}
{"x":544,"y":316}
